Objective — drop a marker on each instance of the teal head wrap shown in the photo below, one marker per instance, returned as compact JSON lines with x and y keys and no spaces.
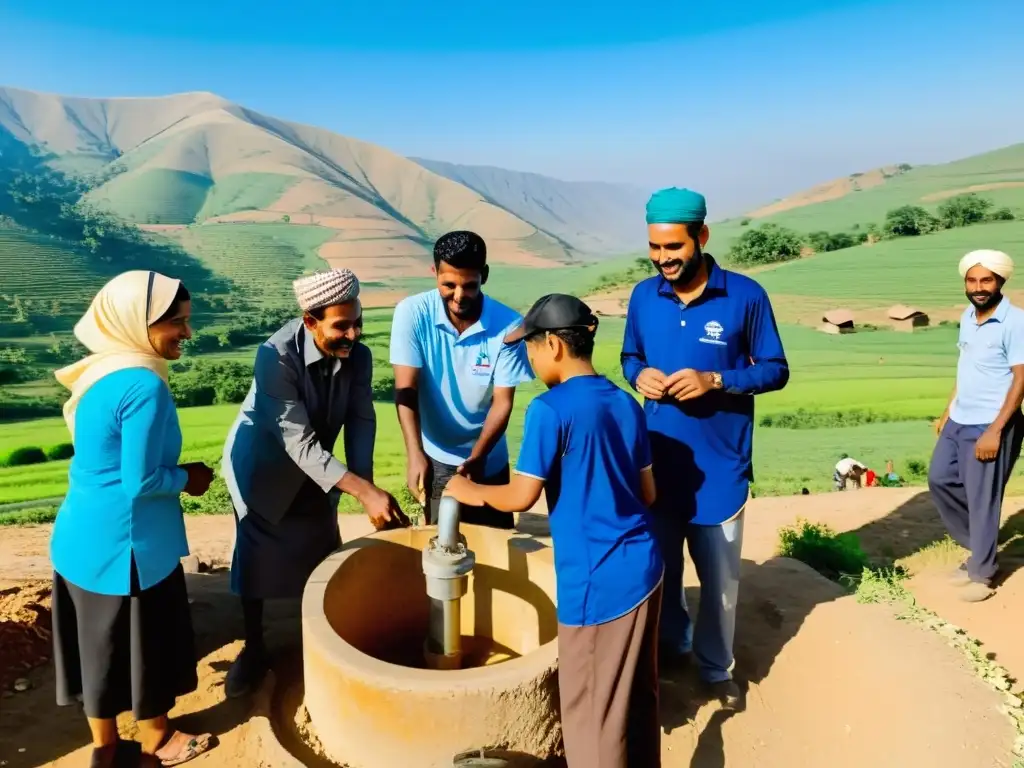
{"x":676,"y":206}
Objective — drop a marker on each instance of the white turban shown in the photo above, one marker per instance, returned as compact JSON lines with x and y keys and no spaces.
{"x":994,"y":261}
{"x":325,"y":289}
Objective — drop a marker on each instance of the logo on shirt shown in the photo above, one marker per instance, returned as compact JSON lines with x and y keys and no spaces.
{"x":713,"y":333}
{"x":482,"y":366}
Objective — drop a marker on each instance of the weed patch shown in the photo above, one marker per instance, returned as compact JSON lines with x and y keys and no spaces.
{"x":834,"y":555}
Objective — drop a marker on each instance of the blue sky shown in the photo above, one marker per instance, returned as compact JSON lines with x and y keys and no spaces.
{"x":747,"y":101}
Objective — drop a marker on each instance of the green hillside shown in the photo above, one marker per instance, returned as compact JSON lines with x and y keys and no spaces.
{"x":920,"y":186}
{"x":913,"y":270}
{"x":156,"y":196}
{"x":46,"y":274}
{"x":260,"y":260}
{"x":244,"y":192}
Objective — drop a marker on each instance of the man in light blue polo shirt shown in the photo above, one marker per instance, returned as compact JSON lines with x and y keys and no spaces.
{"x":981,"y":430}
{"x":455,"y":379}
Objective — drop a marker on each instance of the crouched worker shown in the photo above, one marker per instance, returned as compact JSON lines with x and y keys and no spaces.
{"x":585,"y":443}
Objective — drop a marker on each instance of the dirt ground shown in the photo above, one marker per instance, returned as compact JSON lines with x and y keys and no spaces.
{"x":828,"y":681}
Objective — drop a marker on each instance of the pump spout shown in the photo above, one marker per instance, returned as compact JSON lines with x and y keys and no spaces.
{"x":448,"y":523}
{"x":446,"y":566}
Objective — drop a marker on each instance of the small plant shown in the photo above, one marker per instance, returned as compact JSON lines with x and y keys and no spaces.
{"x":22,"y":457}
{"x":833,"y":555}
{"x":61,"y":452}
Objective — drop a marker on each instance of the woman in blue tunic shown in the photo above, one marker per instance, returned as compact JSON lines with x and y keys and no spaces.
{"x":122,"y":630}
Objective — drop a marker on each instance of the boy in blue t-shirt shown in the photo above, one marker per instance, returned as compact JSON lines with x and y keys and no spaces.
{"x":585,"y":443}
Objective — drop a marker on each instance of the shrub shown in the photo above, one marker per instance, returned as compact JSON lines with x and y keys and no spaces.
{"x":1001,"y":214}
{"x":833,"y":555}
{"x":804,"y":419}
{"x":767,"y":244}
{"x":60,"y":452}
{"x":909,"y":221}
{"x":963,"y":210}
{"x":216,"y":501}
{"x":22,"y":457}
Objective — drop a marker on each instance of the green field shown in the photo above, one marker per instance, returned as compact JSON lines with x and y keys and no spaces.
{"x":915,"y":270}
{"x":830,"y":374}
{"x":261,"y":260}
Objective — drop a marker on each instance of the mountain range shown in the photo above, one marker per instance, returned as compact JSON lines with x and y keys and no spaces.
{"x":196,"y":158}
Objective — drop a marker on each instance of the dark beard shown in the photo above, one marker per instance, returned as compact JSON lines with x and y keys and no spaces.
{"x":471,"y":311}
{"x":984,"y":302}
{"x":690,"y":268}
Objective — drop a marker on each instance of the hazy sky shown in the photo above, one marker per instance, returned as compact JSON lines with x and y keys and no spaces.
{"x":746,"y":103}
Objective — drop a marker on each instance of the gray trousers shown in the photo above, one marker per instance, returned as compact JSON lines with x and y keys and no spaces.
{"x":715,"y":551}
{"x":969,"y":493}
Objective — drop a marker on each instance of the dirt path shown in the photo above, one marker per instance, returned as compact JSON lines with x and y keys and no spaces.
{"x":830,"y":682}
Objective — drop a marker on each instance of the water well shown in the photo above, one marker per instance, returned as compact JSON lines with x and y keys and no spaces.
{"x":423,"y":643}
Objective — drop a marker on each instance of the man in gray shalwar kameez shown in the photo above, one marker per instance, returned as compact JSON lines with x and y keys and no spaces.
{"x":311,"y":380}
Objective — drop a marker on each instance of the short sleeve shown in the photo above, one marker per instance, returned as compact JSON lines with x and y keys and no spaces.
{"x":541,"y":444}
{"x":513,"y":366}
{"x":405,"y":346}
{"x":1015,"y":340}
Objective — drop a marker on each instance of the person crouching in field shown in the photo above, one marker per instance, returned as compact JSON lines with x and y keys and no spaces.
{"x":311,"y":380}
{"x":585,"y":443}
{"x":122,"y":630}
{"x":981,"y":430}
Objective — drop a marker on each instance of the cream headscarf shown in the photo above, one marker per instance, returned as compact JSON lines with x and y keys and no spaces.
{"x":115,"y":329}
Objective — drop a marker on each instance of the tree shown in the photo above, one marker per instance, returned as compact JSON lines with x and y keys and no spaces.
{"x":767,"y":244}
{"x":964,"y":210}
{"x":827,"y":241}
{"x":909,"y":221}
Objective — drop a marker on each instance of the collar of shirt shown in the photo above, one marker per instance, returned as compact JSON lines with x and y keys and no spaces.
{"x":1002,"y":308}
{"x":311,"y":354}
{"x":442,"y":321}
{"x":715,"y":286}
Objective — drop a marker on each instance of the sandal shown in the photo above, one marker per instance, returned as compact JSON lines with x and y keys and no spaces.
{"x":196,"y":746}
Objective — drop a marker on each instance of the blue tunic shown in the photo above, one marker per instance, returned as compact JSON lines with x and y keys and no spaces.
{"x":124,"y":487}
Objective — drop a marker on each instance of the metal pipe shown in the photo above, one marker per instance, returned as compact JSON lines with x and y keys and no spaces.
{"x":448,"y":523}
{"x":452,"y":628}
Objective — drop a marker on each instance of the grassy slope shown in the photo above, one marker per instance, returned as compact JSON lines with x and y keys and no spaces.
{"x":43,"y":270}
{"x":244,"y":192}
{"x":261,"y":259}
{"x":156,"y":196}
{"x":918,"y":270}
{"x":871,"y":205}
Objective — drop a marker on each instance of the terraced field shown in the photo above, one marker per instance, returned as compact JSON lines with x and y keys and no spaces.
{"x":260,"y":259}
{"x":71,"y":277}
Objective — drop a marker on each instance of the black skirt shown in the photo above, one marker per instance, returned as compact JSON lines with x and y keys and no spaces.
{"x":118,"y":653}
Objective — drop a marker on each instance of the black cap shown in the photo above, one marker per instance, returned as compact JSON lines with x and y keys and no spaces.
{"x":554,"y":312}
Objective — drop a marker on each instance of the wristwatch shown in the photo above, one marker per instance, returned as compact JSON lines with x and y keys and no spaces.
{"x":716,"y":381}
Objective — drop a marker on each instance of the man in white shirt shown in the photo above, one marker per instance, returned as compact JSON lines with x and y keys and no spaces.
{"x":848,"y":469}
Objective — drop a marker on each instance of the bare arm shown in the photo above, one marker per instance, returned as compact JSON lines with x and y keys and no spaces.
{"x":648,"y":491}
{"x":408,"y":404}
{"x":519,"y":495}
{"x":495,"y":424}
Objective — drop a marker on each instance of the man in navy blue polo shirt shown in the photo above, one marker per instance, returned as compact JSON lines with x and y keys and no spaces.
{"x":700,"y":342}
{"x":981,"y":431}
{"x":585,"y":443}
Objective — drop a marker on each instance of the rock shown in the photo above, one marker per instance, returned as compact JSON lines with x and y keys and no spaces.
{"x":191,"y":564}
{"x":22,"y":684}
